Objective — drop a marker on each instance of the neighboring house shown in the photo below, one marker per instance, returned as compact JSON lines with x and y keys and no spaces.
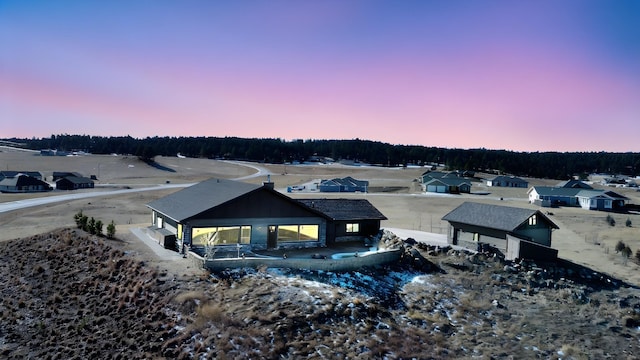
{"x":347,"y":184}
{"x":233,"y":215}
{"x":74,"y":183}
{"x":574,"y":184}
{"x":430,"y":175}
{"x":508,"y":181}
{"x":517,"y":232}
{"x":601,"y":200}
{"x":553,"y":196}
{"x":451,"y":185}
{"x":8,"y":174}
{"x":589,"y":199}
{"x":23,"y":184}
{"x":349,"y":219}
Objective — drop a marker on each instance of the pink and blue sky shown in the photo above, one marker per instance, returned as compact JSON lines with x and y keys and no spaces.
{"x":542,"y":75}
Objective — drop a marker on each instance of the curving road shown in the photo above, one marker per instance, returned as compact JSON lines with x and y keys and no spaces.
{"x":21,"y":204}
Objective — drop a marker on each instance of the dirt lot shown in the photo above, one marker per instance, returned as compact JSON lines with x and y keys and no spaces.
{"x":584,"y":236}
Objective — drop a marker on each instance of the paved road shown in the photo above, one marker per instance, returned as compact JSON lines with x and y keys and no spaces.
{"x":21,"y":204}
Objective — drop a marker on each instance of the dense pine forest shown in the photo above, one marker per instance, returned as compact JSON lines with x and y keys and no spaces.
{"x":554,"y":165}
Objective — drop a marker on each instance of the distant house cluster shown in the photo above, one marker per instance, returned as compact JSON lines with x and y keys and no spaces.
{"x":22,"y":182}
{"x":576,"y":193}
{"x":446,"y":182}
{"x":33,"y":181}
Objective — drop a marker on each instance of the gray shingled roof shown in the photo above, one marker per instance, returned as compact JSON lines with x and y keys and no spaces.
{"x":595,"y":193}
{"x":78,"y":179}
{"x":345,"y":209}
{"x":556,"y":191}
{"x":512,"y":179}
{"x":200,"y":197}
{"x":498,"y":217}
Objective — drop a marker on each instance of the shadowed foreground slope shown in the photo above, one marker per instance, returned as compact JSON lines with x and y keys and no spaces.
{"x":70,"y":295}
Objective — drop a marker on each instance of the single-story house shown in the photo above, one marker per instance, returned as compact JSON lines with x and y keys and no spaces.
{"x":589,"y":199}
{"x":508,"y":181}
{"x":349,"y":219}
{"x":236,"y":216}
{"x":453,"y":185}
{"x":8,"y":174}
{"x":22,"y":184}
{"x":74,"y":183}
{"x":347,"y":184}
{"x":554,"y":196}
{"x":601,"y":200}
{"x":517,"y":232}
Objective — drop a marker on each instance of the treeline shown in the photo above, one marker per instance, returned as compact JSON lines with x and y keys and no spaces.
{"x":554,"y":165}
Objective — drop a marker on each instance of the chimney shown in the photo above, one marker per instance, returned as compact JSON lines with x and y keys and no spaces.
{"x":268,"y":184}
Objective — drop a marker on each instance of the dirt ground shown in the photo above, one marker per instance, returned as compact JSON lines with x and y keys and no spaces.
{"x":584,"y":236}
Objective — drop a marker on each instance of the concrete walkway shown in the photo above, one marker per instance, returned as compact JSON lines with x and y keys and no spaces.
{"x":420,"y":236}
{"x":161,"y":252}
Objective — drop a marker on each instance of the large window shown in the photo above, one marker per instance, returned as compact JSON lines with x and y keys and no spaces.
{"x":221,"y":235}
{"x":353,"y":228}
{"x":298,"y":233}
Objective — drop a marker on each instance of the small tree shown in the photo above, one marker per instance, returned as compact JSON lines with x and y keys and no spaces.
{"x":91,"y":226}
{"x":620,"y":246}
{"x":610,"y":220}
{"x":638,"y":255}
{"x":111,"y":230}
{"x":628,"y":222}
{"x":98,"y":227}
{"x":83,"y":222}
{"x":626,"y":253}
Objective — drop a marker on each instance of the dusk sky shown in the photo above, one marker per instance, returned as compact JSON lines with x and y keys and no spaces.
{"x":543,"y":75}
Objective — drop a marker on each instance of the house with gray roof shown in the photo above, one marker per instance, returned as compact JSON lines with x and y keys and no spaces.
{"x":553,"y":196}
{"x":508,"y":181}
{"x":451,"y":185}
{"x":346,"y":184}
{"x":74,"y":183}
{"x":516,"y":232}
{"x":232,"y":216}
{"x":348,"y":219}
{"x":23,"y":184}
{"x":601,"y":200}
{"x":588,"y":199}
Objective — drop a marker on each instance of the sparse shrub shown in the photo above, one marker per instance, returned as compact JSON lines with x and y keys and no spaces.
{"x":610,"y":220}
{"x":620,"y":246}
{"x":638,"y":255}
{"x":77,"y":218}
{"x":626,"y":252}
{"x":111,"y":230}
{"x":628,"y":222}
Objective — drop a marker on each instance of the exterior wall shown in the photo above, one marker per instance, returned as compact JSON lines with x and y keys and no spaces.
{"x":338,"y":230}
{"x":540,"y":234}
{"x":260,"y":230}
{"x":519,"y":248}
